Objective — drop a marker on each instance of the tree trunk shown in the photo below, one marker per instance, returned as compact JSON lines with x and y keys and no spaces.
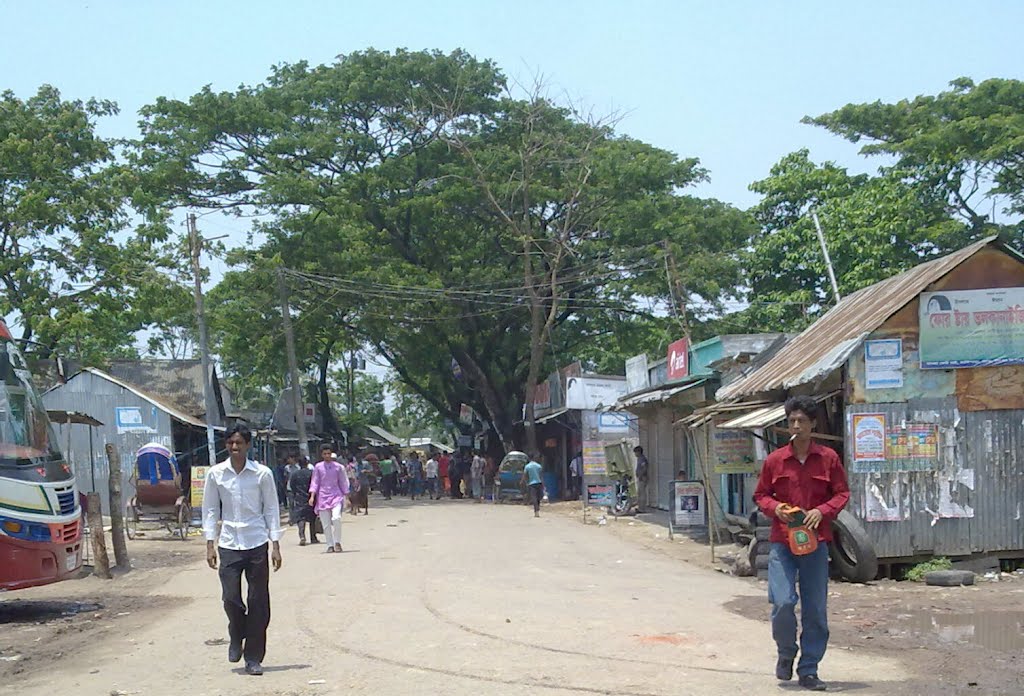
{"x":101,"y":562}
{"x":117,"y":509}
{"x":323,"y":397}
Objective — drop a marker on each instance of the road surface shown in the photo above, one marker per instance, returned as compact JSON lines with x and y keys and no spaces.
{"x":452,"y":598}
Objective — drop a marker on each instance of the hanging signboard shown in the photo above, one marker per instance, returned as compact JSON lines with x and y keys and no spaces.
{"x":972,"y":328}
{"x":637,"y":375}
{"x":688,"y":504}
{"x":734,"y":452}
{"x":592,"y":393}
{"x":883,"y":364}
{"x":869,"y":437}
{"x":678,"y":360}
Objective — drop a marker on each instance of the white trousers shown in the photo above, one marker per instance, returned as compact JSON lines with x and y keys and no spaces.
{"x":331,"y":521}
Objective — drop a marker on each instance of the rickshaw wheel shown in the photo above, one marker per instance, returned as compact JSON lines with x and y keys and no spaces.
{"x":131,"y":520}
{"x":184,"y":519}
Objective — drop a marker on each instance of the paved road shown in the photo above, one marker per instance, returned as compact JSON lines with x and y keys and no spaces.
{"x":460,"y":598}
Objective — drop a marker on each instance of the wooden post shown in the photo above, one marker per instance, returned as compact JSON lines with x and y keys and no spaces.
{"x":101,"y":563}
{"x":117,"y":509}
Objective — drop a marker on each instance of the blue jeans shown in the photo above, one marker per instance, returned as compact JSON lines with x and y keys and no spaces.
{"x":784,"y":569}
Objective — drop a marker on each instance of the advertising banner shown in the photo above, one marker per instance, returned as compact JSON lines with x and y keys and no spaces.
{"x":883,"y":364}
{"x":688,"y":502}
{"x":678,"y":360}
{"x":594,"y":461}
{"x":592,"y":393}
{"x":972,"y":328}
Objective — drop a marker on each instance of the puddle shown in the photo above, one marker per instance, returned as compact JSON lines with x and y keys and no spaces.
{"x":1002,"y":631}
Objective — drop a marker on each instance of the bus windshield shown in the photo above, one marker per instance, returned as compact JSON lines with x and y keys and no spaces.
{"x":26,"y":438}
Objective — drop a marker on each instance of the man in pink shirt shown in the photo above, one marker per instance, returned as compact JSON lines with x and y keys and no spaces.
{"x":327,"y":493}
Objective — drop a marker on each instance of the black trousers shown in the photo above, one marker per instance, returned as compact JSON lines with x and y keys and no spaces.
{"x":248,"y":624}
{"x":536,"y":493}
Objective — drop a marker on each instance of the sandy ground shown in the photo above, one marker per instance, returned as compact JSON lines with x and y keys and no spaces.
{"x":429,"y":598}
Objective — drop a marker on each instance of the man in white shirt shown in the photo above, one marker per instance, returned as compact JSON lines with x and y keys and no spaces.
{"x":241,"y":494}
{"x":432,"y":469}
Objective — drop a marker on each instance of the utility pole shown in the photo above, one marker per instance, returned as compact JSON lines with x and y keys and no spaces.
{"x":351,"y":383}
{"x":828,"y":259}
{"x":293,"y":367}
{"x":196,"y":247}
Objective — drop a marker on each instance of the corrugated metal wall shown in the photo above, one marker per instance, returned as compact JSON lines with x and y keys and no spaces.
{"x":87,"y":393}
{"x":979,"y":472}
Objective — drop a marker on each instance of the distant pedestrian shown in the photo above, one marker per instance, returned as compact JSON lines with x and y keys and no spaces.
{"x":301,"y":512}
{"x":476,"y":477}
{"x":442,"y":472}
{"x":387,"y":477}
{"x":576,"y":474}
{"x":811,"y":477}
{"x":490,"y":475}
{"x":415,"y":470}
{"x":642,"y":472}
{"x":433,"y":478}
{"x":327,"y":494}
{"x":532,"y":475}
{"x":241,"y":496}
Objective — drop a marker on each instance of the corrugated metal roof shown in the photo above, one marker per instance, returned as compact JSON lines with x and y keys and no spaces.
{"x":179,"y":382}
{"x":663,"y":394}
{"x":844,"y":326}
{"x":755,"y":420}
{"x":384,"y":434}
{"x":161,"y":404}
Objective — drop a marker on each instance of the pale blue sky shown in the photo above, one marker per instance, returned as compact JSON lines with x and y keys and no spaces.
{"x":724,"y":81}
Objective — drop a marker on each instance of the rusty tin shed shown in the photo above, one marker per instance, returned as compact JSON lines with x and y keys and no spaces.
{"x":934,"y":450}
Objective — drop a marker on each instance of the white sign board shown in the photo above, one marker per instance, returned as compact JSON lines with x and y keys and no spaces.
{"x":637,"y":375}
{"x":688,"y":504}
{"x":592,"y":393}
{"x":613,"y":422}
{"x":883,"y":364}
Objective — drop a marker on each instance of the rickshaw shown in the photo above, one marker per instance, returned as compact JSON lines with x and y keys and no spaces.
{"x":509,"y":481}
{"x":159,"y":497}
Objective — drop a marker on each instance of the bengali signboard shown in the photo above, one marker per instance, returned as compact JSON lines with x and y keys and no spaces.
{"x":592,"y":393}
{"x":595,"y":462}
{"x":637,"y":374}
{"x":972,"y":328}
{"x":883,"y":364}
{"x":734,"y":452}
{"x":688,"y":504}
{"x":869,"y":437}
{"x":601,"y":495}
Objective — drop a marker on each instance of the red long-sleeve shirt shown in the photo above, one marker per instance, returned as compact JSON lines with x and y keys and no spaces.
{"x":820,"y":482}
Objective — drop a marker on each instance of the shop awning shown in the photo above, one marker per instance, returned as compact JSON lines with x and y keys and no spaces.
{"x":74,"y":417}
{"x":757,"y":419}
{"x":551,"y":416}
{"x":656,"y":395}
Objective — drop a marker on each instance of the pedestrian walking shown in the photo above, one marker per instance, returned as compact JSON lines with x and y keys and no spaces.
{"x":415,"y":469}
{"x":490,"y":476}
{"x":433,"y":478}
{"x":442,"y":472}
{"x":476,"y":477}
{"x":241,"y":495}
{"x":532,"y":475}
{"x":301,"y":512}
{"x":387,"y":476}
{"x":575,"y":475}
{"x":455,"y":475}
{"x":811,"y":477}
{"x":327,"y":494}
{"x":643,"y":468}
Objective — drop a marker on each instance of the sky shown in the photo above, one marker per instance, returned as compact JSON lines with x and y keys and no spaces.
{"x":727,"y":82}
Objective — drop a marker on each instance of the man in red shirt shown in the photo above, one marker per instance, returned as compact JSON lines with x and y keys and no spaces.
{"x":442,"y":472}
{"x":811,"y":477}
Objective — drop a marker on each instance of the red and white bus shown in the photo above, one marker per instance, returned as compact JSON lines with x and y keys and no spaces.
{"x":40,"y":516}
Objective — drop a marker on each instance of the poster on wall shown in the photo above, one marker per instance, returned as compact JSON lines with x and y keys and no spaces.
{"x":883,"y":364}
{"x":688,"y":504}
{"x":869,"y":437}
{"x":884,"y":502}
{"x":198,"y":484}
{"x":734,"y":452}
{"x":594,"y":461}
{"x":972,"y":328}
{"x":914,"y":441}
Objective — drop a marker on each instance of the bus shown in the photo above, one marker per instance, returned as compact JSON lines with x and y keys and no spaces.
{"x":40,"y":515}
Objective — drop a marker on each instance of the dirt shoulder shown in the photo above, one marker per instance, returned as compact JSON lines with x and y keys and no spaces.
{"x":963,"y":640}
{"x":40,"y":625}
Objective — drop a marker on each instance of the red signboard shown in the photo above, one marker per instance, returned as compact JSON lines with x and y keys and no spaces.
{"x":4,"y":333}
{"x":678,"y":360}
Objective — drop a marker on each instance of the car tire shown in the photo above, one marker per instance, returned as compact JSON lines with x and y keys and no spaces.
{"x":949,"y":578}
{"x":762,"y":533}
{"x":762,"y":574}
{"x":851,"y":550}
{"x":759,"y":548}
{"x":761,"y":562}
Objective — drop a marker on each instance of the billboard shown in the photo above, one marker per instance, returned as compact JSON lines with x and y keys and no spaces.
{"x":637,"y":377}
{"x":678,"y":360}
{"x":592,"y":393}
{"x":972,"y":328}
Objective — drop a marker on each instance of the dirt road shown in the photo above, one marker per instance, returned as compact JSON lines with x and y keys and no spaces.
{"x":431,"y":598}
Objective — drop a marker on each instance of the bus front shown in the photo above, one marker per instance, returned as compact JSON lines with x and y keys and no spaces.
{"x":40,"y":518}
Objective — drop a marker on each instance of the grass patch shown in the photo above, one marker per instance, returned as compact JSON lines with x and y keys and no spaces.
{"x":917,"y":573}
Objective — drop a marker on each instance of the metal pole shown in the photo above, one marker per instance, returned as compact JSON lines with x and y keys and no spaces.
{"x":195,"y":245}
{"x":293,"y":366}
{"x":828,"y":259}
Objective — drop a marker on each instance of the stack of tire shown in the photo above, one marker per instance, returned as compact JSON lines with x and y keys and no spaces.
{"x":851,"y":552}
{"x":761,"y":546}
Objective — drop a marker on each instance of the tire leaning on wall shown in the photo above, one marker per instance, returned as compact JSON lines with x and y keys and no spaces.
{"x":851,"y":550}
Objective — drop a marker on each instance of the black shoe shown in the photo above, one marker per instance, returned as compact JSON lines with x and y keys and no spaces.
{"x":784,"y":668}
{"x":811,"y":682}
{"x":234,"y":652}
{"x":254,"y":668}
{"x":314,"y":540}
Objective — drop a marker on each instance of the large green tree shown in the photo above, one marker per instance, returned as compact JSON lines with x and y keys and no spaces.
{"x":80,"y":266}
{"x":434,"y":217}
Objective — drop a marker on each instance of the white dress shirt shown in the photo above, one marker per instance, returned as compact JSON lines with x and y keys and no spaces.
{"x":245,"y":504}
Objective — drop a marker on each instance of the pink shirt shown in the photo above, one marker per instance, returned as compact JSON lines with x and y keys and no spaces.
{"x":329,"y":485}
